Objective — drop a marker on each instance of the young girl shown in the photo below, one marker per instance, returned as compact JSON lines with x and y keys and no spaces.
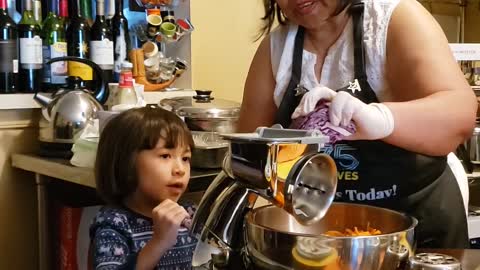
{"x":141,"y":170}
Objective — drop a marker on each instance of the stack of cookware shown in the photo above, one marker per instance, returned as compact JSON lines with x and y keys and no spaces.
{"x":206,"y":117}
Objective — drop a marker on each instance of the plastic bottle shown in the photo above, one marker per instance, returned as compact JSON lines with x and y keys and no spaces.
{"x":126,"y":90}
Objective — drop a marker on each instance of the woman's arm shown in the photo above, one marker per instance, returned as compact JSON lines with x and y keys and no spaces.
{"x":434,"y":108}
{"x":258,"y":107}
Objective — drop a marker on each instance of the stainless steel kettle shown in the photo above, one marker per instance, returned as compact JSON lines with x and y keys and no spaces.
{"x":67,"y":112}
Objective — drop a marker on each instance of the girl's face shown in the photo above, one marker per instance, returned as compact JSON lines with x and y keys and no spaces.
{"x":163,"y":173}
{"x":308,"y":13}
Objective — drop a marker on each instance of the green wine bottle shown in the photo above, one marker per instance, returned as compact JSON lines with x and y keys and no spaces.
{"x":29,"y":32}
{"x":54,"y":45}
{"x":78,"y":36}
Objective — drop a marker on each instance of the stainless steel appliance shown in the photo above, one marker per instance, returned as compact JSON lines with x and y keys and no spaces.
{"x":284,"y":167}
{"x":276,"y":164}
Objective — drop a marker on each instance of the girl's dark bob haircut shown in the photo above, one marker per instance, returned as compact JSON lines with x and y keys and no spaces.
{"x":123,"y":137}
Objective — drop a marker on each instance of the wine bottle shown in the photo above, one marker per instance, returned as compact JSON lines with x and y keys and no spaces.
{"x":54,"y":45}
{"x":52,"y":7}
{"x":37,"y":11}
{"x":121,"y":38}
{"x":101,"y":44}
{"x":8,"y":51}
{"x":63,"y":12}
{"x":30,"y":75}
{"x":12,"y":10}
{"x":110,"y":12}
{"x":86,"y":10}
{"x":78,"y":36}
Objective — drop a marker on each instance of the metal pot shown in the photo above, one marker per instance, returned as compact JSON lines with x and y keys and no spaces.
{"x":275,"y":240}
{"x":211,"y":158}
{"x":469,"y":151}
{"x":203,"y":112}
{"x":209,"y":151}
{"x":473,"y":145}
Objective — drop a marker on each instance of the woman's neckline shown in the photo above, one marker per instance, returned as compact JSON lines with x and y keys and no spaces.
{"x":334,"y":46}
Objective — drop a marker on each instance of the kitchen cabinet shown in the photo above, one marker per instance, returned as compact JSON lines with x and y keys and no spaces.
{"x":18,"y":234}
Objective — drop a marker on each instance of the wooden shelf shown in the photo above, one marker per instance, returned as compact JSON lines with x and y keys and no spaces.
{"x":25,"y":101}
{"x":17,"y":102}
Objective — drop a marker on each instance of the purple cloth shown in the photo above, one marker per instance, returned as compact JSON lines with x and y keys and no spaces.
{"x":318,"y":119}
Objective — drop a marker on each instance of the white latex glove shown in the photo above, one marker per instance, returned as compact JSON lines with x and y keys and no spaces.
{"x":311,"y":98}
{"x":373,"y":121}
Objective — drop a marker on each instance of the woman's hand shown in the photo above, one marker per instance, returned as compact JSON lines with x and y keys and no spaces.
{"x":311,"y":98}
{"x":373,"y":121}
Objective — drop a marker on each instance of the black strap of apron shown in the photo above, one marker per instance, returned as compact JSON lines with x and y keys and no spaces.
{"x":366,"y":94}
{"x":356,"y":11}
{"x":290,"y":101}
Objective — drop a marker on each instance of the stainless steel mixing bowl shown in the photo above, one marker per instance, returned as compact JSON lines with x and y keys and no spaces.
{"x":275,"y":240}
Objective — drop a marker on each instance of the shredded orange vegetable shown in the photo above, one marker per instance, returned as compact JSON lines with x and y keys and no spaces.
{"x":355,"y":232}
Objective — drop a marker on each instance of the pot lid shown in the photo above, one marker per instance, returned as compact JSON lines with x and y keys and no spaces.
{"x":476,"y":131}
{"x":202,"y":105}
{"x":277,"y":135}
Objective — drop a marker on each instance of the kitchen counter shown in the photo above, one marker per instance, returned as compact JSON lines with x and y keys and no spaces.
{"x":63,"y":170}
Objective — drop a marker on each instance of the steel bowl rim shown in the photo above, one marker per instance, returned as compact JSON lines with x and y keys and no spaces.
{"x":414,"y":222}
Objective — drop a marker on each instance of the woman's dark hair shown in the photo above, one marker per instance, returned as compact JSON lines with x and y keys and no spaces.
{"x":273,"y":12}
{"x":123,"y":137}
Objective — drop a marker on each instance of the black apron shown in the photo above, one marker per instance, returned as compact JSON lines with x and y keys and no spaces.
{"x":380,"y":174}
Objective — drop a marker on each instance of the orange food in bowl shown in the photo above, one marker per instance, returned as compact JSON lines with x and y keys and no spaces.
{"x":355,"y":232}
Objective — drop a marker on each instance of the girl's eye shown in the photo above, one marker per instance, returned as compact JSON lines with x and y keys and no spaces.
{"x":165,"y":156}
{"x":187,"y":159}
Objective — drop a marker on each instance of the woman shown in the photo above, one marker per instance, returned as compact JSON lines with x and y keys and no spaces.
{"x":386,"y":66}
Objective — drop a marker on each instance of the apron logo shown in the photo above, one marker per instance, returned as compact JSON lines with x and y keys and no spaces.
{"x":354,"y":86}
{"x":340,"y":153}
{"x":372,"y":195}
{"x":300,"y":90}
